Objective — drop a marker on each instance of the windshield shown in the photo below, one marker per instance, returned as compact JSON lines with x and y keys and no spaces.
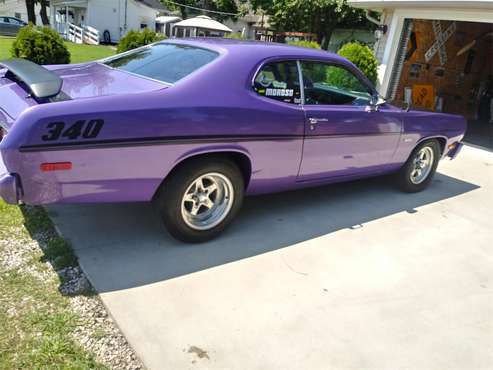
{"x":164,"y":62}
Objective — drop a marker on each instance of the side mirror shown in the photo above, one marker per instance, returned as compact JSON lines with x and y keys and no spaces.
{"x":374,"y":103}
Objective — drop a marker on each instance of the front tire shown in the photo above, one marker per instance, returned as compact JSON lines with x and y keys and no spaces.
{"x":200,"y":199}
{"x":418,"y":171}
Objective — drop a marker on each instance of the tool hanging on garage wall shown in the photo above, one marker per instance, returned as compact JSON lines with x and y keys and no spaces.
{"x":452,"y":56}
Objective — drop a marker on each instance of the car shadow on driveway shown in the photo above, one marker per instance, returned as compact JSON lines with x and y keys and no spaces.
{"x":123,"y":245}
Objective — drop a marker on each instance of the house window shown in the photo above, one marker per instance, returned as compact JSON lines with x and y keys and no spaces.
{"x":18,"y":15}
{"x":143,"y":25}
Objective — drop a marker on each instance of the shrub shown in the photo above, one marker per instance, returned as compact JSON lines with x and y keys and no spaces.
{"x":234,"y":35}
{"x":362,"y":56}
{"x":41,"y":45}
{"x":305,"y":44}
{"x":135,"y":39}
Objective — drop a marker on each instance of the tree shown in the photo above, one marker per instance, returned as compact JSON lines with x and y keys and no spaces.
{"x":183,"y":9}
{"x":31,"y":14}
{"x":363,"y":57}
{"x":320,"y":17}
{"x":227,"y":6}
{"x":43,"y":12}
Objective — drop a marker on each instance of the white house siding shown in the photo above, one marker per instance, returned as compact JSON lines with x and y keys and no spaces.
{"x":139,"y":14}
{"x":379,"y":48}
{"x":110,"y":15}
{"x":103,"y":15}
{"x":17,"y":8}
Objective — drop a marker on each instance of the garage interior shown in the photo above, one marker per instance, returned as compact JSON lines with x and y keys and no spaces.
{"x":447,"y":66}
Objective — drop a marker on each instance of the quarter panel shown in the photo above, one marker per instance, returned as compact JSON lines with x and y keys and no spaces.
{"x":419,"y":126}
{"x":134,"y":173}
{"x":144,"y":139}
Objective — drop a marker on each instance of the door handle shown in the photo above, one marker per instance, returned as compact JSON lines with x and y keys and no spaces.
{"x":313,"y":122}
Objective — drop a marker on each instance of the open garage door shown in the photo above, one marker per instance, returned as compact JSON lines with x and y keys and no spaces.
{"x":447,"y":66}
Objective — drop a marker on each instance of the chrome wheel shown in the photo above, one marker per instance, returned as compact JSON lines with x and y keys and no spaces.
{"x":422,"y":165}
{"x":207,"y":201}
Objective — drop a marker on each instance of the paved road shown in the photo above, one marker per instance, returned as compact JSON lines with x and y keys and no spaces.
{"x":353,"y":276}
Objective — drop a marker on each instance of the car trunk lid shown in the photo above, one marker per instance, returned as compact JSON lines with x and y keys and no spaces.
{"x":96,"y":79}
{"x":18,"y":92}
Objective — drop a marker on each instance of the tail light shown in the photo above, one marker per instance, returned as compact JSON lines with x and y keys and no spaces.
{"x":57,"y":166}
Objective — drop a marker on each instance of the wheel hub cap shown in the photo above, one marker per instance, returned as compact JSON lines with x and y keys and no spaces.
{"x":207,"y":201}
{"x":422,"y":165}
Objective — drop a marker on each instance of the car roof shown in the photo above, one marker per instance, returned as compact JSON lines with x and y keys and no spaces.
{"x":260,"y":49}
{"x":7,"y":16}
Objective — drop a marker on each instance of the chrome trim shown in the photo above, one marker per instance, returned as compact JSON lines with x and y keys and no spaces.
{"x":302,"y":82}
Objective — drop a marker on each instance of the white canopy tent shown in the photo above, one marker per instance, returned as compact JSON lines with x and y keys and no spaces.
{"x":201,"y":25}
{"x":164,"y":24}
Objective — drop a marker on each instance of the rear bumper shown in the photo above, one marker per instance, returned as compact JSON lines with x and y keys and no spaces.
{"x":9,"y":185}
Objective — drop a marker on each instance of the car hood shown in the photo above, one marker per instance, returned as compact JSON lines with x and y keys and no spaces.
{"x":96,"y":79}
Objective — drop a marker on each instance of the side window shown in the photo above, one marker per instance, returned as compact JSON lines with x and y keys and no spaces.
{"x":279,"y":81}
{"x":332,"y":85}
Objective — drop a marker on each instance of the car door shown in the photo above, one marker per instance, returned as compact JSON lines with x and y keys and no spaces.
{"x":7,"y":26}
{"x":15,"y":25}
{"x":4,"y":26}
{"x":343,"y":136}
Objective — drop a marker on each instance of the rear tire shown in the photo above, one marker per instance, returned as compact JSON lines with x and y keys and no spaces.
{"x":200,"y":199}
{"x":106,"y":37}
{"x":417,"y":173}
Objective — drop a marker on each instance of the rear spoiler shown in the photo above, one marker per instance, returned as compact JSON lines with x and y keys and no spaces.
{"x":41,"y":82}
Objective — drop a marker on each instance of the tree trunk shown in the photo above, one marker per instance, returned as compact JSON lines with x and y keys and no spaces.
{"x":31,"y":15}
{"x":43,"y":13}
{"x":327,"y":34}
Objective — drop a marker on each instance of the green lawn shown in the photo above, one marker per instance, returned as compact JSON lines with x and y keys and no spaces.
{"x":36,"y":320}
{"x":78,"y":53}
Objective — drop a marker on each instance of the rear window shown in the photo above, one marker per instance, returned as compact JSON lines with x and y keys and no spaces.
{"x":164,"y":62}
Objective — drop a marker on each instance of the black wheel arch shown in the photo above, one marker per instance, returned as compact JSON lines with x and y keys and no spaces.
{"x":442,"y":141}
{"x":240,"y":159}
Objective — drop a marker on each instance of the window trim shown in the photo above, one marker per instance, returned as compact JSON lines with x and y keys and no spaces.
{"x":355,"y":72}
{"x":279,"y":59}
{"x":302,"y":82}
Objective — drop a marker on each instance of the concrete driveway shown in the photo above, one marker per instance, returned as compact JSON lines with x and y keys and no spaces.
{"x":350,"y":276}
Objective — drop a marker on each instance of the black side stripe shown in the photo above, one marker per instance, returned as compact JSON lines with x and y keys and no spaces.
{"x":180,"y":140}
{"x":147,"y":141}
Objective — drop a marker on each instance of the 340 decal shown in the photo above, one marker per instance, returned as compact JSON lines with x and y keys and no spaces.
{"x":83,"y":129}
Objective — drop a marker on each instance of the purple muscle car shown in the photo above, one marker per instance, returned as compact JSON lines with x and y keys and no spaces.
{"x":194,"y":125}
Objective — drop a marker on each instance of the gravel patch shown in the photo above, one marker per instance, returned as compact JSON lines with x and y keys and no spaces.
{"x":97,"y":332}
{"x":75,"y":282}
{"x":16,"y":253}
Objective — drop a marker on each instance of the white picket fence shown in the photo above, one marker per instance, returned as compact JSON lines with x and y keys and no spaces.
{"x":91,"y":35}
{"x":78,"y":35}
